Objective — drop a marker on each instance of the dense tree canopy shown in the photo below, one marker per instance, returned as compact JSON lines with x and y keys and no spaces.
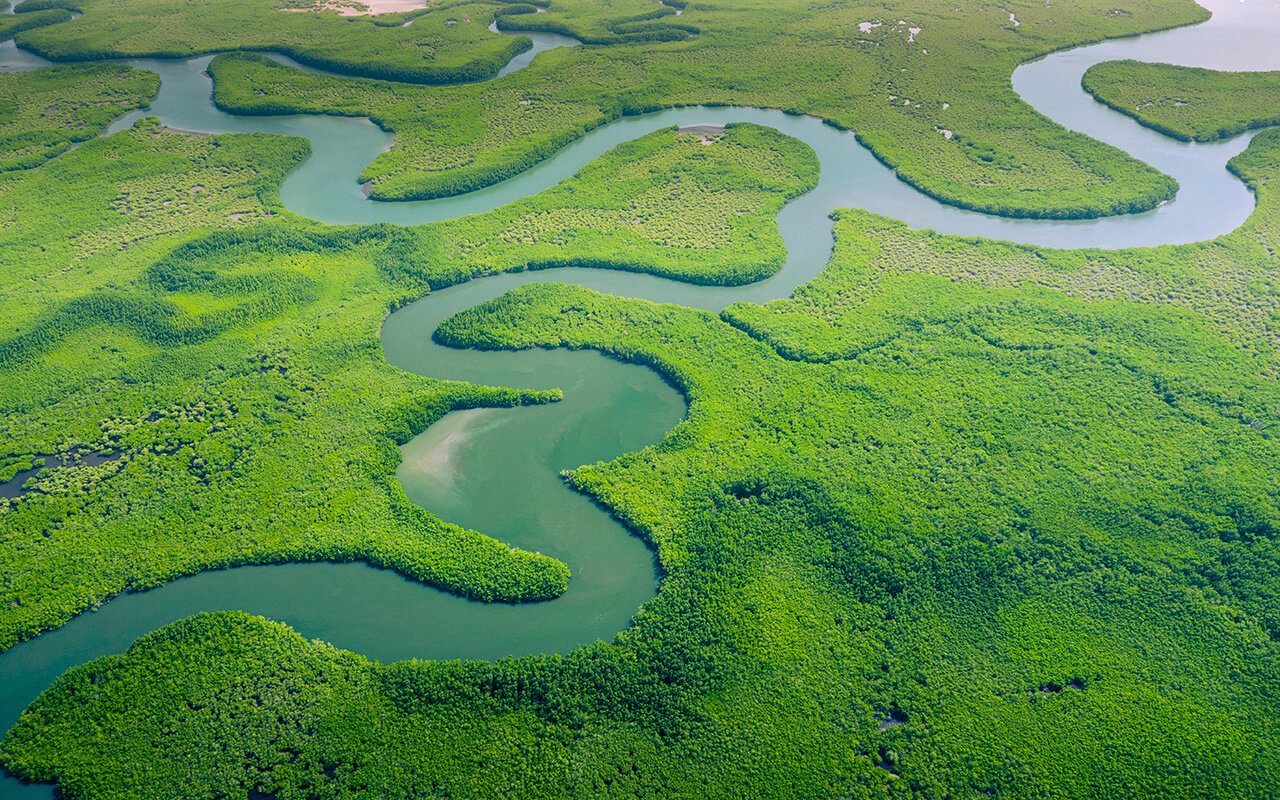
{"x":960,"y":518}
{"x":1187,"y":103}
{"x":898,"y":84}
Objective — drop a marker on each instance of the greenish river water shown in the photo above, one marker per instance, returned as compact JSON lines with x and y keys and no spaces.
{"x":497,"y":471}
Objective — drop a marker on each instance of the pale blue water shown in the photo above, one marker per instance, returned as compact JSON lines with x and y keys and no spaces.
{"x":496,"y":471}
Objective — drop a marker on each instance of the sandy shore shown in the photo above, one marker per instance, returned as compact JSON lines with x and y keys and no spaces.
{"x":434,"y":455}
{"x":707,"y":134}
{"x":366,"y":8}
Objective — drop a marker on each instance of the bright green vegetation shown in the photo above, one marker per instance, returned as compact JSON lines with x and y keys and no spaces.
{"x":11,"y":26}
{"x":44,"y":111}
{"x":219,"y":363}
{"x":960,"y":519}
{"x":446,"y":42}
{"x":30,"y":6}
{"x":451,"y":43}
{"x":605,"y":23}
{"x":854,"y":306}
{"x":1002,"y":157}
{"x":1020,"y":501}
{"x":194,"y":372}
{"x":1187,"y":103}
{"x":10,"y":467}
{"x":699,"y":209}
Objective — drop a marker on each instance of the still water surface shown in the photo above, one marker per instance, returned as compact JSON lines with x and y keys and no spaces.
{"x":497,"y":471}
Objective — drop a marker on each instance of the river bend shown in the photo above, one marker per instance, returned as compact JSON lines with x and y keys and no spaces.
{"x":461,"y":463}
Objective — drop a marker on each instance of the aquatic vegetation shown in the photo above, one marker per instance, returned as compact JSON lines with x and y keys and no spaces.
{"x":1187,"y":103}
{"x":605,"y":23}
{"x":183,"y":388}
{"x":444,"y":45}
{"x":849,"y":310}
{"x":681,"y":207}
{"x":11,"y":26}
{"x":45,"y":111}
{"x":126,"y":196}
{"x":214,"y":374}
{"x":1001,"y":157}
{"x":959,"y":518}
{"x":938,"y":543}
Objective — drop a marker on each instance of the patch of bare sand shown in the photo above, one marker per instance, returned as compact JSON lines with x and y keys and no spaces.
{"x":351,"y":8}
{"x":433,"y":456}
{"x":707,"y":134}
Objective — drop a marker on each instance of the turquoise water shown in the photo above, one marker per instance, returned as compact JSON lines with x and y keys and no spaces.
{"x":497,"y":471}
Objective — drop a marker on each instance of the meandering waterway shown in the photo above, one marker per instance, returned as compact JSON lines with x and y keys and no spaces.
{"x":497,"y":471}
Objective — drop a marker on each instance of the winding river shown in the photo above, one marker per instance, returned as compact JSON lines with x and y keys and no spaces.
{"x":459,"y":465}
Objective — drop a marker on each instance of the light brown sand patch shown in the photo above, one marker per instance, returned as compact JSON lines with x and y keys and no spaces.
{"x":707,"y":134}
{"x":434,"y":455}
{"x":350,"y":8}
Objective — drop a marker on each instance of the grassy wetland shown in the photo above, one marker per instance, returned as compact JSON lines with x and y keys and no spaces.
{"x":925,"y":114}
{"x":956,"y":517}
{"x":185,"y":309}
{"x":1187,"y":103}
{"x":434,"y":49}
{"x":45,"y":112}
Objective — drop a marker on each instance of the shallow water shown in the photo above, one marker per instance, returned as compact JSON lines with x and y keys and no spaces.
{"x":496,"y":471}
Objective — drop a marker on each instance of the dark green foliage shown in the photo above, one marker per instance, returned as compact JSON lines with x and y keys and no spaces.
{"x":514,"y":9}
{"x":27,"y":6}
{"x":11,"y":26}
{"x":1257,"y":165}
{"x":44,"y":111}
{"x":1187,"y":103}
{"x":231,"y":319}
{"x":954,"y":520}
{"x":10,"y":467}
{"x":635,"y":29}
{"x":1003,"y":158}
{"x":428,"y":51}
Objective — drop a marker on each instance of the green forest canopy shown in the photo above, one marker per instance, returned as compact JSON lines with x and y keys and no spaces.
{"x":897,"y":89}
{"x":965,"y":525}
{"x":203,"y":349}
{"x":1187,"y":103}
{"x":960,"y":518}
{"x":45,"y":111}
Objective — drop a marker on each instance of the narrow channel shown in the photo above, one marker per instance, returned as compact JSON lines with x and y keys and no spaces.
{"x":459,"y":465}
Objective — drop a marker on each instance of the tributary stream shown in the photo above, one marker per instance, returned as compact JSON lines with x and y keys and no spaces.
{"x":497,"y":471}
